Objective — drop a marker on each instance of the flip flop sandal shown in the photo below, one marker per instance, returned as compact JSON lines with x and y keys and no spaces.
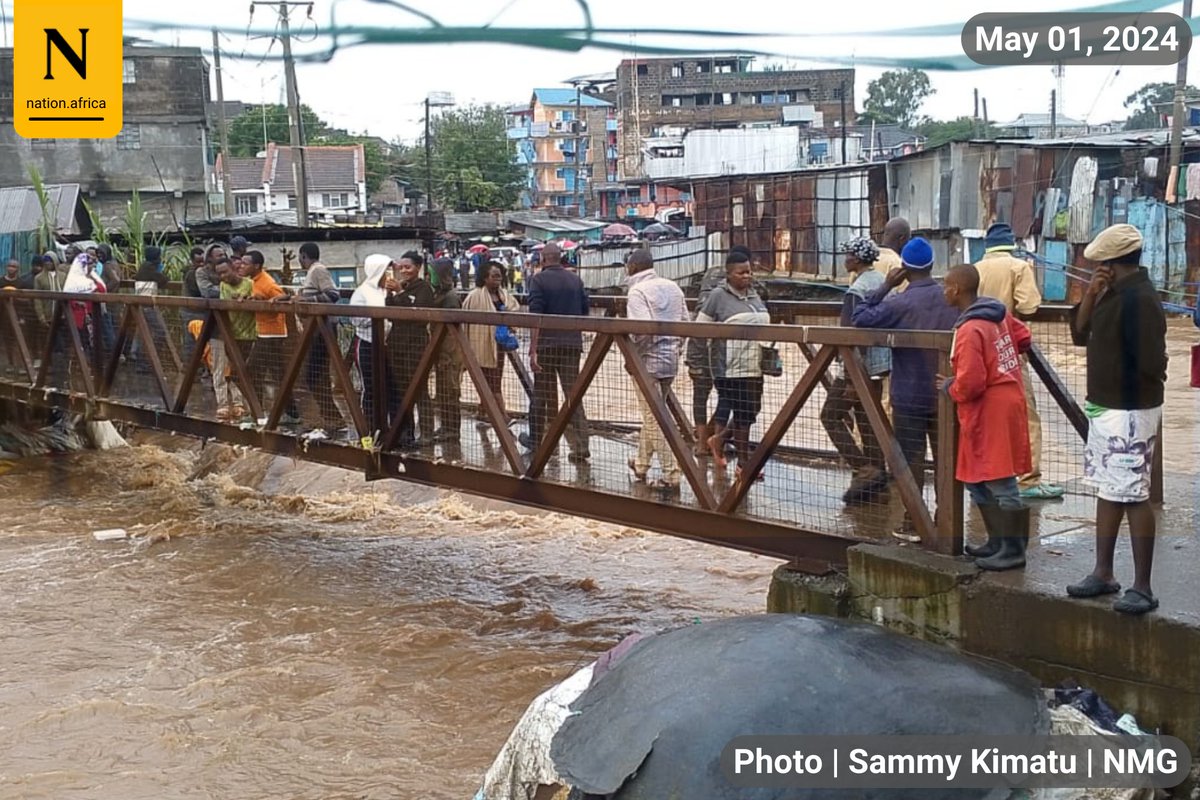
{"x":1091,"y":586}
{"x":1043,"y":491}
{"x":1135,"y":602}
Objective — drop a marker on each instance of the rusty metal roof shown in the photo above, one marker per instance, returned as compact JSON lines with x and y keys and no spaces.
{"x":20,"y":210}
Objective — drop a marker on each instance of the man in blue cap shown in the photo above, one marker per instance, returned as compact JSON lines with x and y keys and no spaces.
{"x":922,"y":307}
{"x":1004,"y":277}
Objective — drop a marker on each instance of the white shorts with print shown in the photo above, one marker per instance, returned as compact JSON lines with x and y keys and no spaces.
{"x":1119,"y":456}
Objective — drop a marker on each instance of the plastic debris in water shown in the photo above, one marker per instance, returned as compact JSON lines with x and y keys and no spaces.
{"x":110,"y":535}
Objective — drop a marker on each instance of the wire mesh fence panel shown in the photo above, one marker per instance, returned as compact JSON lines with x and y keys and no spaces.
{"x":780,"y":424}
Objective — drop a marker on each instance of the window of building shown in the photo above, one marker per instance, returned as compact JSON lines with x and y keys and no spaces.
{"x":246,"y":204}
{"x":703,"y":67}
{"x":560,"y":173}
{"x":128,"y":71}
{"x":566,"y":116}
{"x":836,"y":93}
{"x":563,"y":200}
{"x":130,"y":138}
{"x":672,"y":100}
{"x":724,"y":67}
{"x":723,"y":99}
{"x":677,"y":70}
{"x":704,"y":99}
{"x":335,"y":200}
{"x":739,"y":212}
{"x":642,"y":69}
{"x":42,"y":144}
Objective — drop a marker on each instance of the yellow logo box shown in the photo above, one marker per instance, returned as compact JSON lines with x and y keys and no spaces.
{"x":68,"y":69}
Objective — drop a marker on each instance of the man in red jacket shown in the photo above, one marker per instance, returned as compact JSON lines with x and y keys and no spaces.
{"x":993,"y":446}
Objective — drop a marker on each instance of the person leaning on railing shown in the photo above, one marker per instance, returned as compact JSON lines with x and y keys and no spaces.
{"x":489,"y":295}
{"x":736,"y":364}
{"x":371,"y":293}
{"x":843,"y":409}
{"x":921,"y":307}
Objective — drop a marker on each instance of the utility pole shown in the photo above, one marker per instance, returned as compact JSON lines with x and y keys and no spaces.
{"x":434,"y":100}
{"x":223,"y":133}
{"x":295,"y":119}
{"x":428,"y":162}
{"x":843,"y":94}
{"x":1178,"y":112}
{"x":578,"y":150}
{"x":1053,"y":114}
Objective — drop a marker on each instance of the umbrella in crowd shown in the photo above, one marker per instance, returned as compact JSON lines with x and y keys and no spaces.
{"x":529,"y":243}
{"x":659,"y":229}
{"x":566,"y":244}
{"x":654,"y":725}
{"x":478,"y":248}
{"x":618,"y":230}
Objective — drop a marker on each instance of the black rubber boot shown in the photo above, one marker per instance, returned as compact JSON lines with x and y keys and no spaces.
{"x":1012,"y":546}
{"x":992,"y":524}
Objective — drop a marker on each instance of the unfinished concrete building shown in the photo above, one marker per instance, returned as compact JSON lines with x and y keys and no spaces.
{"x":162,"y":151}
{"x":657,"y":96}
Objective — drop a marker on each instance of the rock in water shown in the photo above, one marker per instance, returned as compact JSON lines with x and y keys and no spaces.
{"x":104,"y":435}
{"x":655,"y":725}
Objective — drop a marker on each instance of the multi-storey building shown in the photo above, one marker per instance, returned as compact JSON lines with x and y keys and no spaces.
{"x":567,"y":141}
{"x":162,"y":151}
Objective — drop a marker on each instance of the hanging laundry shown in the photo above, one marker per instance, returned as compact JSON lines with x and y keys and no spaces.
{"x":1049,"y":211}
{"x":1193,"y":182}
{"x":1172,"y":186}
{"x":1083,"y":189}
{"x":1150,"y":167}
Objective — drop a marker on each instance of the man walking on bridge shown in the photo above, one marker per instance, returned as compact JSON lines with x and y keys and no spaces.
{"x":554,"y":355}
{"x":654,"y":298}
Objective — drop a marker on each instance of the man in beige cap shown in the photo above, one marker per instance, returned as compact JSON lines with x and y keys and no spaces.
{"x":1010,"y":280}
{"x":1121,"y":322}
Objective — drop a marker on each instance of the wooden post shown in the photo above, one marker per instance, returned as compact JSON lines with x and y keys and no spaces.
{"x":949,"y":519}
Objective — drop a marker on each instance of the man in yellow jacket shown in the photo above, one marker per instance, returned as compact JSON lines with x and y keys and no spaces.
{"x":1010,"y":280}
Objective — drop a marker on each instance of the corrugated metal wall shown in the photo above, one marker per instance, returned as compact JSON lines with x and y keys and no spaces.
{"x":1060,"y":196}
{"x":795,"y":220}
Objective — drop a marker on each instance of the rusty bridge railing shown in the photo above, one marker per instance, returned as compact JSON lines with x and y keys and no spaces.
{"x":315,"y":394}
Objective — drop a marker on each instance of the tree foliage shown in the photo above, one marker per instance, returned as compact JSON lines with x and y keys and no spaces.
{"x":938,"y":132}
{"x":896,"y":97}
{"x":1152,"y":101}
{"x":472,"y":160}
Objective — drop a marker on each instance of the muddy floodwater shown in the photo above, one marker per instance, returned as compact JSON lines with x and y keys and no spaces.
{"x":273,"y":630}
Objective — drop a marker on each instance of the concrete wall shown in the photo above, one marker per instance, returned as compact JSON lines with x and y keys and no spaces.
{"x":165,"y":106}
{"x":640,"y":114}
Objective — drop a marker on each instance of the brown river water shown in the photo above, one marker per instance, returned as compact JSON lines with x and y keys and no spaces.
{"x":273,"y":630}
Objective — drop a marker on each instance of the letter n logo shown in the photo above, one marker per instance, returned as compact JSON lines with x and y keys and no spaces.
{"x":78,"y":61}
{"x":68,"y":70}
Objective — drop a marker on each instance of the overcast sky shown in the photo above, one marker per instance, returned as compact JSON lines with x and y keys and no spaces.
{"x":378,"y":89}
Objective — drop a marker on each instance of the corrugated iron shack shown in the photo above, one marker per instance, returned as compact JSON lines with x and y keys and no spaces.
{"x":1057,"y":194}
{"x":793,"y":221}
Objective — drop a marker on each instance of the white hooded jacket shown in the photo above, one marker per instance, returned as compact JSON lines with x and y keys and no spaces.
{"x":368,"y":293}
{"x":78,"y":280}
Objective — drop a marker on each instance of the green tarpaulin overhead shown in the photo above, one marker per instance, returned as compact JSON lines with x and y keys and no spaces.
{"x":651,"y":41}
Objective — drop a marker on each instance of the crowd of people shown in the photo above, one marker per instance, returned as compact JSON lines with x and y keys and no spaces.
{"x":1120,"y":322}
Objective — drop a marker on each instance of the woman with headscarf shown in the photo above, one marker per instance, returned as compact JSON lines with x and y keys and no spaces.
{"x":371,"y":293}
{"x":490,"y":295}
{"x":448,"y":368}
{"x":82,"y":279}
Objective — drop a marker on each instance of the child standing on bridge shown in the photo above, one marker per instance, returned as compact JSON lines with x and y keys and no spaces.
{"x":993,"y":447}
